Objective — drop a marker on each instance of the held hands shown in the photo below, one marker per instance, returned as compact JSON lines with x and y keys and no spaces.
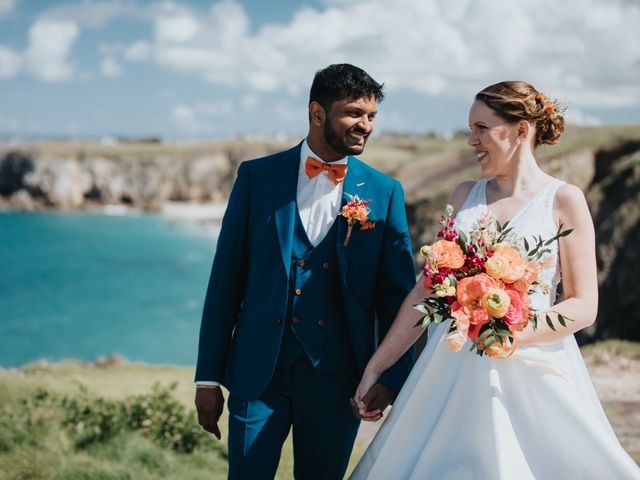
{"x":371,"y":398}
{"x":209,"y":404}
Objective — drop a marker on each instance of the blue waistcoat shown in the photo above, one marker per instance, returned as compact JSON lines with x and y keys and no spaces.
{"x":316,"y":324}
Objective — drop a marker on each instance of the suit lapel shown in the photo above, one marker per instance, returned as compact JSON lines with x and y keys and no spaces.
{"x":355,"y":183}
{"x":285,"y":183}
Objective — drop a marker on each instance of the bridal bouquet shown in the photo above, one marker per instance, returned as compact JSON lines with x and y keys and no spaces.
{"x":483,"y":283}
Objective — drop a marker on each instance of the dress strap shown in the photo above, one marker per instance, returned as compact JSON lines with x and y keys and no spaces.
{"x":548,"y":198}
{"x":476,"y":195}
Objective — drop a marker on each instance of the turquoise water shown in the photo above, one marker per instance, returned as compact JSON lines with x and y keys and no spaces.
{"x":77,"y":285}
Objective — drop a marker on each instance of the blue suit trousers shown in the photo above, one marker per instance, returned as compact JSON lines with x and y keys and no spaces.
{"x":315,"y":404}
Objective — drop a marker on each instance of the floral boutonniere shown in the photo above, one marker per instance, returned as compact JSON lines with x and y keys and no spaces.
{"x":356,"y":210}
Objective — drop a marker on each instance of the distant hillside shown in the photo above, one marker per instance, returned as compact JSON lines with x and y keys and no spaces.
{"x":603,"y":161}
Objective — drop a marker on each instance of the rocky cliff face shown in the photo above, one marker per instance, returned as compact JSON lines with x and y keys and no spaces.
{"x":607,"y":170}
{"x":33,"y":179}
{"x":614,"y":200}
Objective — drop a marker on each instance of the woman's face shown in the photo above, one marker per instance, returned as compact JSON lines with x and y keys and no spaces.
{"x":493,"y":139}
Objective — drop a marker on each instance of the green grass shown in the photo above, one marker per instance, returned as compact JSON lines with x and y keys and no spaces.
{"x":35,"y":444}
{"x":40,"y":438}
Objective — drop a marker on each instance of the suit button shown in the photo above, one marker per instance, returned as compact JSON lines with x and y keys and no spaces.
{"x":298,"y":291}
{"x":321,"y":323}
{"x":325,"y":265}
{"x":278,"y":321}
{"x":324,"y":295}
{"x":301,"y":263}
{"x":295,"y":320}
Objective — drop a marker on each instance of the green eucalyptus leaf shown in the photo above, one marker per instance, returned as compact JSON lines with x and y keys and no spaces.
{"x":421,"y":308}
{"x":561,"y":320}
{"x":550,"y":323}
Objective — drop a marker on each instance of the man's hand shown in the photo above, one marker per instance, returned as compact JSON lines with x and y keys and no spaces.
{"x":374,"y":402}
{"x":209,"y":404}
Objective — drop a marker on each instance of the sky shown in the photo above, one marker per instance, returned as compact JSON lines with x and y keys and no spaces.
{"x":215,"y":69}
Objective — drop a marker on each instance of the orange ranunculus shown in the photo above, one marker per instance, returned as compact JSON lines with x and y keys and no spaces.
{"x":470,"y":292}
{"x":531,"y":274}
{"x":496,"y":266}
{"x":497,"y":302}
{"x":448,"y":254}
{"x":512,"y":263}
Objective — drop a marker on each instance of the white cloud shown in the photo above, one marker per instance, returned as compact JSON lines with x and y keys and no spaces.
{"x":109,"y":67}
{"x":182,"y":114}
{"x":49,"y":45}
{"x":9,"y":62}
{"x":138,"y":51}
{"x":176,"y":29}
{"x":6,"y":7}
{"x":584,"y":50}
{"x":576,"y":117}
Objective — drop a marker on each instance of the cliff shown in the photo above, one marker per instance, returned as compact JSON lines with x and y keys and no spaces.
{"x":603,"y":161}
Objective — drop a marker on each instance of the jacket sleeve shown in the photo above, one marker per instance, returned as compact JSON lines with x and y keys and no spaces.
{"x":226,"y":283}
{"x":396,"y":278}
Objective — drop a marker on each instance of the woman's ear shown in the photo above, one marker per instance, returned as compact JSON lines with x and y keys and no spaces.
{"x":524,"y":128}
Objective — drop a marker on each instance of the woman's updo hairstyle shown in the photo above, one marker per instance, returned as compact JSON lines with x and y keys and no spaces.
{"x":515,"y":101}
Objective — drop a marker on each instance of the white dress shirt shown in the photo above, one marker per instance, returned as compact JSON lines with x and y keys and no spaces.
{"x":319,"y":201}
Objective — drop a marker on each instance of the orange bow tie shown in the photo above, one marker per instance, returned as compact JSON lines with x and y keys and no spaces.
{"x":336,"y":172}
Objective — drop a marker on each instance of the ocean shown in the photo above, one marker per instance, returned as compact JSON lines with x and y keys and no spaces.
{"x":84,"y":285}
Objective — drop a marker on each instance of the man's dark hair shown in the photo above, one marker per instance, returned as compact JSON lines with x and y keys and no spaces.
{"x":340,"y":81}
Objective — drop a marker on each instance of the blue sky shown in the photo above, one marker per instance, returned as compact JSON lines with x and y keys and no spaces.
{"x":224,"y":68}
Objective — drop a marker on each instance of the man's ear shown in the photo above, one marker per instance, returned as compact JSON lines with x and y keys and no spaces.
{"x":317,"y":114}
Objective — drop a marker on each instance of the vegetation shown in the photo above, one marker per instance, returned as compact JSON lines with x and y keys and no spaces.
{"x":73,"y":420}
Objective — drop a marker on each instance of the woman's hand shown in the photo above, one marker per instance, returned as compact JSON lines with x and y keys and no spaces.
{"x":369,"y":379}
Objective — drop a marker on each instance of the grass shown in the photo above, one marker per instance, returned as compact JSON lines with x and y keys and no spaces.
{"x":36,"y":444}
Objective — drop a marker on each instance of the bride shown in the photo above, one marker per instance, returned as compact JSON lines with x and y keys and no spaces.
{"x":461,"y":416}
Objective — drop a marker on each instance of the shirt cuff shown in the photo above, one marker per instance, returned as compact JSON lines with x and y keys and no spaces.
{"x":215,"y":384}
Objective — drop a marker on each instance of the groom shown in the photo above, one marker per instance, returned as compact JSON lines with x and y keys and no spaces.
{"x":297,"y":301}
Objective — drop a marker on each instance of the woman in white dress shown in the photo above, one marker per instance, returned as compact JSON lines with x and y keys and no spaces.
{"x":461,"y":416}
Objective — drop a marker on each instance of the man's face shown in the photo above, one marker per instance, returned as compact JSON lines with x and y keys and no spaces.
{"x":348,"y":124}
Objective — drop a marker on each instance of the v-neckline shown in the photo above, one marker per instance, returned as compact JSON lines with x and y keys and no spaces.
{"x":521,"y":210}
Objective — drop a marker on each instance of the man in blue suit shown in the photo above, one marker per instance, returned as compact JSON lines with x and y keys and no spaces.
{"x":297,"y":299}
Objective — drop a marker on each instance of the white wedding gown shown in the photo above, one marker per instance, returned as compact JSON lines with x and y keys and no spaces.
{"x":461,"y":416}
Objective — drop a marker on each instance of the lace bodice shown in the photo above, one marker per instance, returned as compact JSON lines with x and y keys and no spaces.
{"x":534,"y":219}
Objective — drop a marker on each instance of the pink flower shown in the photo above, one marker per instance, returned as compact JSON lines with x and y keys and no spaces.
{"x":515,"y":310}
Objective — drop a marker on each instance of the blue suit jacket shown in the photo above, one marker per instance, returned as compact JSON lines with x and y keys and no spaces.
{"x":246,"y":301}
